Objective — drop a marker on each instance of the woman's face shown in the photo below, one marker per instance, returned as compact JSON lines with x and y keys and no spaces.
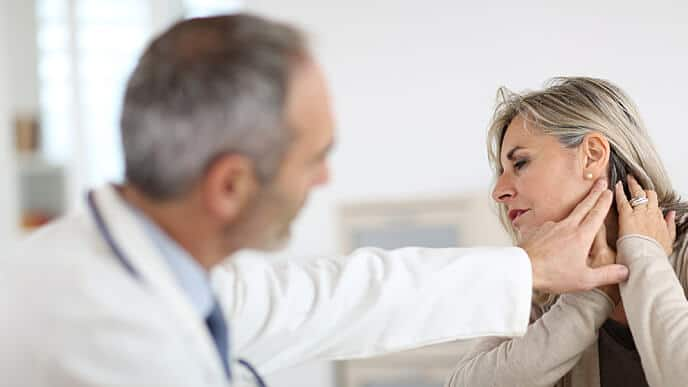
{"x":541,"y":180}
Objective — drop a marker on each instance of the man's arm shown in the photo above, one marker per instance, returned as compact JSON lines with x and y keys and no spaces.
{"x":372,"y":302}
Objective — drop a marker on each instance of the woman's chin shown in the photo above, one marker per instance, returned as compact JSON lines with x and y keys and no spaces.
{"x":524,"y":230}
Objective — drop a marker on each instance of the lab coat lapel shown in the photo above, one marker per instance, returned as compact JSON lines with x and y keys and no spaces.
{"x":130,"y":236}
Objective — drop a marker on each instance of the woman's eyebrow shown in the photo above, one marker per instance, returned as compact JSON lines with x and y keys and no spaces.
{"x":510,"y":155}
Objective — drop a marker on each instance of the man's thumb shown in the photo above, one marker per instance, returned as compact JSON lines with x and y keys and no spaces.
{"x":607,"y":275}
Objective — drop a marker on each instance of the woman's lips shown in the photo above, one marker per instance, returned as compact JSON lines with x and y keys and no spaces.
{"x":515,"y":214}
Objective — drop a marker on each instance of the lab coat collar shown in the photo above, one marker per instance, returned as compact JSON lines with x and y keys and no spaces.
{"x":129,"y":235}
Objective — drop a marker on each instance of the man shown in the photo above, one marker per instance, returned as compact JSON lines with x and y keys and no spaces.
{"x":226,"y":127}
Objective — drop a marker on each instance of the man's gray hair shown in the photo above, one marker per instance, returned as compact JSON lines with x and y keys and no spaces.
{"x":205,"y":88}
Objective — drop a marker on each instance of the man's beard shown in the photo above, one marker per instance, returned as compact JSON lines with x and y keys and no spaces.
{"x":277,"y":240}
{"x":285,"y":212}
{"x":274,"y":232}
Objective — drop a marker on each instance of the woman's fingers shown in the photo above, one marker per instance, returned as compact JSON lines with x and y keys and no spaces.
{"x":645,"y":219}
{"x":622,"y":205}
{"x":634,"y":187}
{"x":653,"y":203}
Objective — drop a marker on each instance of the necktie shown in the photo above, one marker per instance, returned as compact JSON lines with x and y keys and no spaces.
{"x":217,"y":326}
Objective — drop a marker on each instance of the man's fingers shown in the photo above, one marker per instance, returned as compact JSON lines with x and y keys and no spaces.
{"x":585,"y":206}
{"x":599,"y":244}
{"x":622,"y":205}
{"x":607,"y":275}
{"x":596,"y":216}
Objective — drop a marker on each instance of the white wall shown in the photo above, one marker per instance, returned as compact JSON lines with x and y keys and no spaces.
{"x":23,"y":62}
{"x":8,"y":209}
{"x":18,"y":95}
{"x":414,"y":83}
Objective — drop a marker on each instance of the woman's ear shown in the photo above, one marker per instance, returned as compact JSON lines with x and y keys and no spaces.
{"x":595,"y":152}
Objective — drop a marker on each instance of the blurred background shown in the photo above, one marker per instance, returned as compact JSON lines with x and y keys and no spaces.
{"x":414,"y":84}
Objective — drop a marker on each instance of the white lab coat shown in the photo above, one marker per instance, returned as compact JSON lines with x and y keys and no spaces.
{"x":72,"y":316}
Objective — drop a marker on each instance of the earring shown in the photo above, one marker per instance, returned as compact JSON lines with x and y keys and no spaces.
{"x":588,"y":176}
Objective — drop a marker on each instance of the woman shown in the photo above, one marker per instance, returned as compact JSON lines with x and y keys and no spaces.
{"x":547,"y":148}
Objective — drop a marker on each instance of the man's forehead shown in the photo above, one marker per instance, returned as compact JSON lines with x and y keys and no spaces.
{"x":308,"y":105}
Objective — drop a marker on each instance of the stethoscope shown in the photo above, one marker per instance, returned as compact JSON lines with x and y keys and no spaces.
{"x":126,"y":263}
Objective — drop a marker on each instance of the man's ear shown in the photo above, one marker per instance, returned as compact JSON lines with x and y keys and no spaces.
{"x":228,"y":186}
{"x":595,"y":152}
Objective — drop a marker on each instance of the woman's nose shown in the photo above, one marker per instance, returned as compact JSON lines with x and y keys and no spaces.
{"x":503,"y":190}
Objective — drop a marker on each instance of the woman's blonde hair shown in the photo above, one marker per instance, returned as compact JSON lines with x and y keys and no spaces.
{"x":571,"y":107}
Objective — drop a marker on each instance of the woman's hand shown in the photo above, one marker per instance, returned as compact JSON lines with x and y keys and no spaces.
{"x":645,"y":219}
{"x":601,"y":254}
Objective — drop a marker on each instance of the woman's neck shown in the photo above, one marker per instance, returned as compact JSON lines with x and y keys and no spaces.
{"x":612,"y":226}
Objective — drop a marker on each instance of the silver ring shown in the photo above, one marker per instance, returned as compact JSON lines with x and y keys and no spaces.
{"x":638,"y":201}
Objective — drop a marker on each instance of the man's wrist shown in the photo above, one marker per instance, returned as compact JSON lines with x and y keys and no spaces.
{"x":538,"y":280}
{"x":538,"y":276}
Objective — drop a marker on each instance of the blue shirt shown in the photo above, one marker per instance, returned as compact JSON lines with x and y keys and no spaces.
{"x":190,"y":275}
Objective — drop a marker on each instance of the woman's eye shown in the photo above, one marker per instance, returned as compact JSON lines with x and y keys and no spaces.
{"x":520,"y":164}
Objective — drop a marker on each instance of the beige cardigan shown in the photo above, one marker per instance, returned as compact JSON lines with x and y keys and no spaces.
{"x":560,"y":347}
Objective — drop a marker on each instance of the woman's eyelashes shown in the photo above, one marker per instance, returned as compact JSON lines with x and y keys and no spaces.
{"x":520,"y":164}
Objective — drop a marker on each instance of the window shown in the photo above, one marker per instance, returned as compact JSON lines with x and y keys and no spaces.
{"x":86,"y":51}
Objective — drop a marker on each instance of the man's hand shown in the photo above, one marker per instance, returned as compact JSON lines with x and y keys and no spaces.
{"x":559,"y":251}
{"x":602,"y":254}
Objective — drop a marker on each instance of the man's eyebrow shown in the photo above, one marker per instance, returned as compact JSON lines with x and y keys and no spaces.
{"x":510,"y":155}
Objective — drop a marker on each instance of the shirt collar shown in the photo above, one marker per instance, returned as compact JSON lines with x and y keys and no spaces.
{"x":189,"y":274}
